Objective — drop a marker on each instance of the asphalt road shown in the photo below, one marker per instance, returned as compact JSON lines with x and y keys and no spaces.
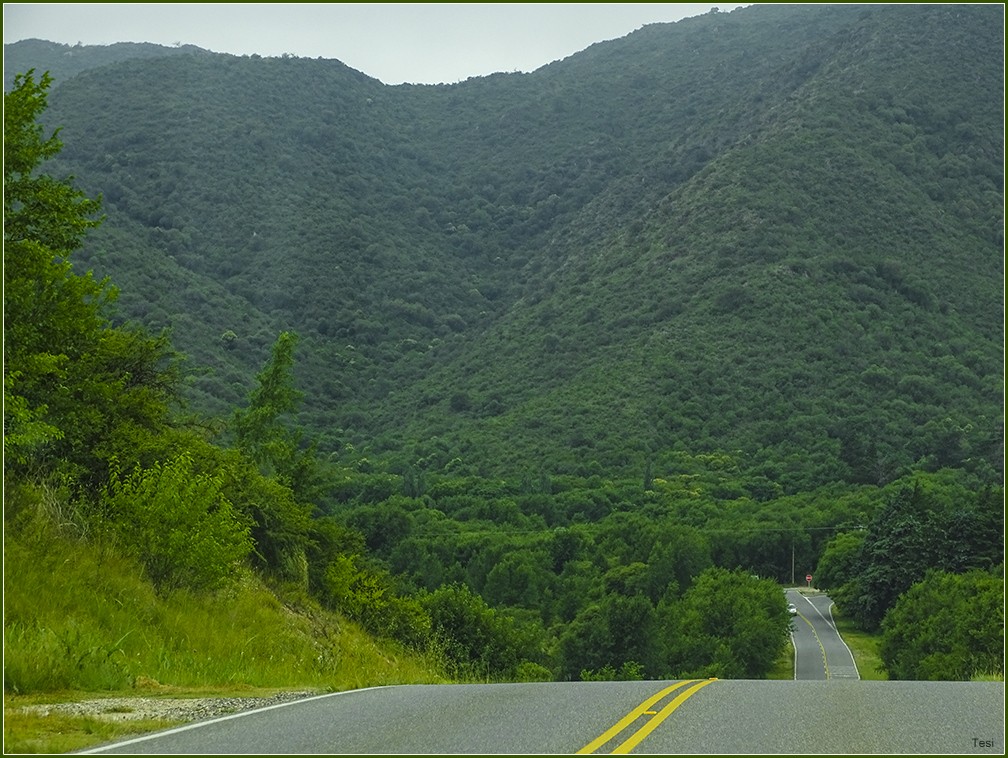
{"x":820,"y":652}
{"x":698,"y":716}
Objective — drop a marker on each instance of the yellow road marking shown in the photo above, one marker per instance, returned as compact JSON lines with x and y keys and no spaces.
{"x":652,"y":724}
{"x":644,"y":709}
{"x":624,"y":722}
{"x":821,"y":648}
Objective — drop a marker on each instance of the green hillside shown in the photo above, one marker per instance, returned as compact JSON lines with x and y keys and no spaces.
{"x":528,"y":377}
{"x":775,"y":232}
{"x":66,"y":61}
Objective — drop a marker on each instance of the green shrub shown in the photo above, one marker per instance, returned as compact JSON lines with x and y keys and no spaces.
{"x":946,"y":627}
{"x":528,"y":671}
{"x":177,"y":522}
{"x":477,"y":639}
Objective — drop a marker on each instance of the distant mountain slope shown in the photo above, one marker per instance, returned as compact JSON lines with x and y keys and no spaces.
{"x":66,"y":61}
{"x":774,"y":234}
{"x":823,"y":294}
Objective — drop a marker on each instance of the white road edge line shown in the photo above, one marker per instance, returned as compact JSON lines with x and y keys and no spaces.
{"x":228,"y":717}
{"x":795,"y":649}
{"x":832,"y":623}
{"x":849,"y":652}
{"x":827,"y":620}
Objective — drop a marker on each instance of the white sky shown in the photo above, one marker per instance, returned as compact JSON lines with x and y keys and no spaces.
{"x":422,"y":43}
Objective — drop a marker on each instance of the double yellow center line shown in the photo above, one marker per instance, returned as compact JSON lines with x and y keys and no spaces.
{"x":646,"y":709}
{"x":822,"y":649}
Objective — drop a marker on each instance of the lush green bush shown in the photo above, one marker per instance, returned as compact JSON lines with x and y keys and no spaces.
{"x":947,"y":626}
{"x":729,"y":624}
{"x":610,"y":634}
{"x":177,"y":523}
{"x":480,"y":641}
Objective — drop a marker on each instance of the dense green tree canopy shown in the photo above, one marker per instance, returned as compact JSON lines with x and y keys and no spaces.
{"x":947,"y":626}
{"x":761,"y":234}
{"x":549,"y":375}
{"x":931,"y":523}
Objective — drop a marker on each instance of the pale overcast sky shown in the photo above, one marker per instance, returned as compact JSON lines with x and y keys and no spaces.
{"x":426,"y":43}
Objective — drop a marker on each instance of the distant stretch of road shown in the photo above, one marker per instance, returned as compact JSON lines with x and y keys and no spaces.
{"x":695,"y":716}
{"x":820,"y":653}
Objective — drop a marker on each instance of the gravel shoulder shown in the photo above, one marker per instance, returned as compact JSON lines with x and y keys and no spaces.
{"x":161,"y":708}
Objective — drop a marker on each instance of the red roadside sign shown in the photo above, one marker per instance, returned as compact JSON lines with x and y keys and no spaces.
{"x":808,"y":578}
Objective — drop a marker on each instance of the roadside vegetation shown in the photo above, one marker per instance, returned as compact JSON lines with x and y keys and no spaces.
{"x":925,"y":580}
{"x":26,"y":732}
{"x":863,"y":645}
{"x":443,"y":479}
{"x":83,"y":620}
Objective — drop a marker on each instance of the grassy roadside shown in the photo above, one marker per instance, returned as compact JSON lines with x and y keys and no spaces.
{"x":81,"y":622}
{"x":864,"y":646}
{"x":26,"y":732}
{"x":783,"y":667}
{"x":369,"y":664}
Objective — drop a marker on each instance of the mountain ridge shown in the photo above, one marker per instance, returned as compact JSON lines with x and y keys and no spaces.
{"x":589,"y":266}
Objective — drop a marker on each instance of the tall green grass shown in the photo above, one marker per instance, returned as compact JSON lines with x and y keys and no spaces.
{"x":80,"y":616}
{"x":987,"y":676}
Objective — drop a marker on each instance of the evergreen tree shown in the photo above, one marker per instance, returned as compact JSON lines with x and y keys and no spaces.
{"x":264,"y":431}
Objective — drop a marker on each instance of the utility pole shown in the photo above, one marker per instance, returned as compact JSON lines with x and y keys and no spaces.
{"x":792,"y":563}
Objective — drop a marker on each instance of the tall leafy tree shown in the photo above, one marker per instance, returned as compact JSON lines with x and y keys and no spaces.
{"x":77,"y":391}
{"x":900,"y":546}
{"x":37,"y":207}
{"x":840,"y":565}
{"x":50,"y":315}
{"x":928,"y":526}
{"x":265,"y":432}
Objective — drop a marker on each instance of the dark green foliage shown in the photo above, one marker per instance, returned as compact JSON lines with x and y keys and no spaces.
{"x":947,"y":627}
{"x":933,"y":523}
{"x":728,"y":625}
{"x":787,"y":245}
{"x":617,"y":630}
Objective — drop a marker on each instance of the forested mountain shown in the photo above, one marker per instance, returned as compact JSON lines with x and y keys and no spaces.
{"x":545,"y":375}
{"x":775,"y":233}
{"x":66,"y":61}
